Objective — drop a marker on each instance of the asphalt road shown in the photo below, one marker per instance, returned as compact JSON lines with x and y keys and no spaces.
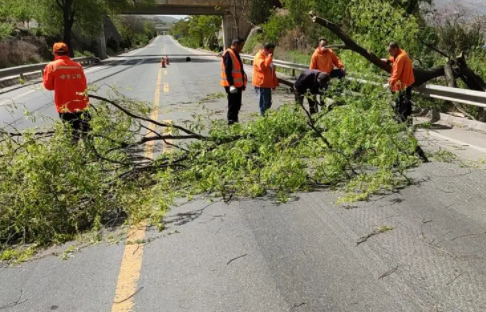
{"x":254,"y":255}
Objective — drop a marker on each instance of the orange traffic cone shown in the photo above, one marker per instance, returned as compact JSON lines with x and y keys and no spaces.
{"x":167,"y":59}
{"x":163,"y":62}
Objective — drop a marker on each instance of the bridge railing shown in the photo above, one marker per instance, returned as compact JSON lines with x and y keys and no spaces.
{"x":25,"y":69}
{"x":463,"y":96}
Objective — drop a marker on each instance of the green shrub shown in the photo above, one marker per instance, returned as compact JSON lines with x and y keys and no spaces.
{"x":52,"y":190}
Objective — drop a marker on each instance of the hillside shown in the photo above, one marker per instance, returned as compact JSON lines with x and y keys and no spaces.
{"x":476,"y":6}
{"x":167,"y":20}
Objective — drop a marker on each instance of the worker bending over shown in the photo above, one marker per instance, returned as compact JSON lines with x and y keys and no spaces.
{"x":264,"y":76}
{"x":233,"y":78}
{"x":66,"y":77}
{"x":312,"y":81}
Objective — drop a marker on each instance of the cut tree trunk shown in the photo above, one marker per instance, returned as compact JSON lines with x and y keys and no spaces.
{"x":455,"y":69}
{"x":68,"y":22}
{"x":421,"y":76}
{"x":473,"y":81}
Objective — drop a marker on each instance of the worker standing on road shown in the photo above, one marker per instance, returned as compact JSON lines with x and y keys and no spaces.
{"x":264,"y":76}
{"x":233,"y":78}
{"x":313,"y":81}
{"x":325,"y":60}
{"x":401,"y":81}
{"x":68,"y":81}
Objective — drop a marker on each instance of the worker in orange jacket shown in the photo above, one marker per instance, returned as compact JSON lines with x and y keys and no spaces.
{"x":264,"y":76}
{"x":402,"y":80}
{"x":325,"y":60}
{"x":68,"y":81}
{"x":233,"y":78}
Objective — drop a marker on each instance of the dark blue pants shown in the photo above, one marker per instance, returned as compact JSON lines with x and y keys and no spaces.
{"x":264,"y":99}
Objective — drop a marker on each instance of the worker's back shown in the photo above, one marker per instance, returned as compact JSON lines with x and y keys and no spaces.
{"x":402,"y":71}
{"x":66,"y":77}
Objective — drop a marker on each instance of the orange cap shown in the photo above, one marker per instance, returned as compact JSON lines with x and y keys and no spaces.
{"x":60,"y":47}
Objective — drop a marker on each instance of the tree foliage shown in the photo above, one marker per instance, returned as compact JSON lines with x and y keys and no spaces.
{"x":198,"y":31}
{"x":134,"y":30}
{"x":13,"y":12}
{"x":51,"y":190}
{"x":60,"y":17}
{"x":260,"y":11}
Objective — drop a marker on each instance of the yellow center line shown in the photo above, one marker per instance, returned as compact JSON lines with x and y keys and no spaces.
{"x":166,"y":87}
{"x":131,"y":264}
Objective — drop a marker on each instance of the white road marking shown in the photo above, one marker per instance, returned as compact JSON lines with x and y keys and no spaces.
{"x":12,"y":100}
{"x":461,"y":143}
{"x":89,"y":71}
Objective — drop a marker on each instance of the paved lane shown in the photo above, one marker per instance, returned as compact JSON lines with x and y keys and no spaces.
{"x":133,"y":74}
{"x":253,"y":255}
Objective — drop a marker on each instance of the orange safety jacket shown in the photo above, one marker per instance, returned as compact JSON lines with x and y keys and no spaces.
{"x":239,"y":79}
{"x":66,"y":77}
{"x":402,"y":75}
{"x":324,"y":60}
{"x":264,"y":75}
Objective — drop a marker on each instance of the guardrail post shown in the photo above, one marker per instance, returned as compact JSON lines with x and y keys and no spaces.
{"x":22,"y":77}
{"x":293,"y":72}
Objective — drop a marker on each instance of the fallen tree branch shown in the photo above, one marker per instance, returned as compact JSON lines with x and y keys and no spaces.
{"x":421,"y":76}
{"x":388,"y":273}
{"x":149,"y":120}
{"x":378,"y":230}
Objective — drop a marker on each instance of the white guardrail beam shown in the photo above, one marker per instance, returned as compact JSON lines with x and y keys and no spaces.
{"x":463,"y":96}
{"x":21,"y":70}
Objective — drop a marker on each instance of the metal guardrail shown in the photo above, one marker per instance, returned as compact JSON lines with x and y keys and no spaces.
{"x":22,"y":70}
{"x":463,"y":96}
{"x":282,"y":64}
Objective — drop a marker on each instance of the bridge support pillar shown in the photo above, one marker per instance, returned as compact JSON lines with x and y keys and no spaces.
{"x":230,"y":30}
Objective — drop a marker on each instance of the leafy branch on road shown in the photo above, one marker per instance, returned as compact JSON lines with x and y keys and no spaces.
{"x":51,"y":191}
{"x":378,"y":230}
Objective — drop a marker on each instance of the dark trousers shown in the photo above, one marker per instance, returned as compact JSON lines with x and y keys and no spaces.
{"x":79,"y":123}
{"x":312,"y":99}
{"x":234,"y":104}
{"x":403,"y":105}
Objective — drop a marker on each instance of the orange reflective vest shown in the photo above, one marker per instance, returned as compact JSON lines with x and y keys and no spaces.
{"x":402,"y":75}
{"x":239,"y":79}
{"x":325,"y":60}
{"x":66,"y":77}
{"x":264,"y":75}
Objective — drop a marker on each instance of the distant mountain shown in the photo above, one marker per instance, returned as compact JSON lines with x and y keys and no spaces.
{"x":167,"y":20}
{"x":475,"y":6}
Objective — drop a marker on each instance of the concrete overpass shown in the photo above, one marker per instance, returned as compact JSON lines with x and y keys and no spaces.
{"x":184,"y":7}
{"x":232,"y":27}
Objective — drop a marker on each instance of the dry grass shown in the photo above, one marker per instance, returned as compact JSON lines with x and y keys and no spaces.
{"x":18,"y":52}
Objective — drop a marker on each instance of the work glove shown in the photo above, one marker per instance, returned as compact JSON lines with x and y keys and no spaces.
{"x":387,"y":86}
{"x":233,"y":90}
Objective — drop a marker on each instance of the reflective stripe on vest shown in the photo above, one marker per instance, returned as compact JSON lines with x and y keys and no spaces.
{"x":238,"y":78}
